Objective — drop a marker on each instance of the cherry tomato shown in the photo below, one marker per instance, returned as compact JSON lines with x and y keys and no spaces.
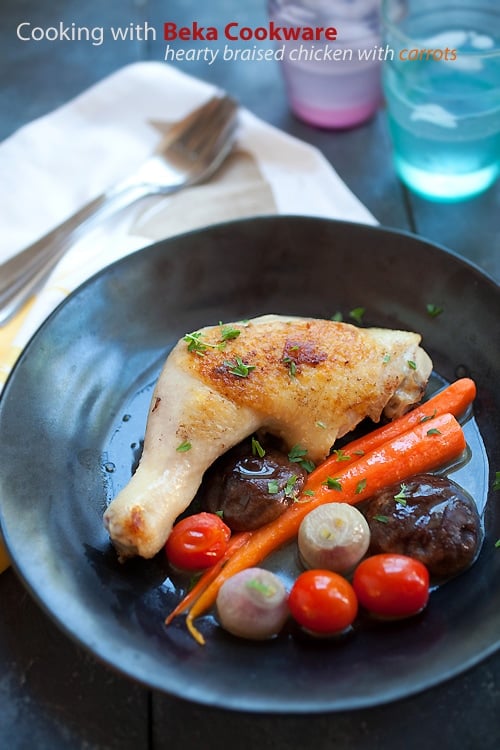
{"x":391,"y":585}
{"x":323,"y":602}
{"x":197,"y":542}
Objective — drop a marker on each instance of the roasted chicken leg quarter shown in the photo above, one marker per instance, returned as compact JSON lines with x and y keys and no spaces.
{"x":306,"y":381}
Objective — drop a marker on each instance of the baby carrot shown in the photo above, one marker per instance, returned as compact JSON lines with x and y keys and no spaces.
{"x":208,"y":576}
{"x":427,"y":446}
{"x":454,"y":399}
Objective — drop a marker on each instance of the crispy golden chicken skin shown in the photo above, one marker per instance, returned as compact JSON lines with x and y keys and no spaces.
{"x":306,"y":381}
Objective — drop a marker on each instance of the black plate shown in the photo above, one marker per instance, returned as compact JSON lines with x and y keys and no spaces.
{"x":73,"y":414}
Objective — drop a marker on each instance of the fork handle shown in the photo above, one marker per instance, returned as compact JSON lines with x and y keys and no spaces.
{"x":24,"y":273}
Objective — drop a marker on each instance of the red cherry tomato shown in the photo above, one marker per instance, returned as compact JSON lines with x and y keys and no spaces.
{"x":323,"y":602}
{"x":197,"y":542}
{"x":391,"y":585}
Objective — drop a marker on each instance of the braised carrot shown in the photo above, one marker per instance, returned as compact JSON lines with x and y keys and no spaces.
{"x":208,"y":575}
{"x":427,"y":446}
{"x":454,"y":399}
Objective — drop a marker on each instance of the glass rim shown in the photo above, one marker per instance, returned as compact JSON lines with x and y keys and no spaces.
{"x":389,"y":24}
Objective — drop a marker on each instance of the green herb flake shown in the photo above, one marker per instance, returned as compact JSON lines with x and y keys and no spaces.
{"x":196,"y":345}
{"x":497,"y":544}
{"x":433,"y":310}
{"x":357,"y":314}
{"x":337,"y":317}
{"x":386,"y":359}
{"x":321,"y":424}
{"x":429,"y":417}
{"x":496,"y":481}
{"x":400,"y":498}
{"x":308,"y":493}
{"x":333,"y":484}
{"x":292,"y":367}
{"x":239,"y":368}
{"x":228,"y":332}
{"x":298,"y":455}
{"x":359,"y":453}
{"x":434,"y":431}
{"x":273,"y":487}
{"x":290,"y":486}
{"x":381,"y":519}
{"x":340,"y":455}
{"x":257,"y":449}
{"x":184,"y":447}
{"x":263,"y":588}
{"x":194,"y":342}
{"x":193,"y":581}
{"x":360,"y":487}
{"x":411,"y":364}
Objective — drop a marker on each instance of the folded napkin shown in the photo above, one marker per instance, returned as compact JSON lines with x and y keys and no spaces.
{"x":54,"y":165}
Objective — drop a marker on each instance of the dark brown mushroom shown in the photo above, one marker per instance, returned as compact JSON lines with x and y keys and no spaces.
{"x":249,"y":490}
{"x":430,"y":518}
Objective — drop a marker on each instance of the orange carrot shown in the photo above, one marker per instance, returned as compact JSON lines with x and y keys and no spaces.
{"x":208,"y":575}
{"x":454,"y":399}
{"x":427,"y":446}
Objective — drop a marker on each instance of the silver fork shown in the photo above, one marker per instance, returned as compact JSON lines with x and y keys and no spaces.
{"x":197,"y":148}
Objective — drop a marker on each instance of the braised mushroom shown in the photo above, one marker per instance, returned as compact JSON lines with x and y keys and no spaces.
{"x":251,"y":490}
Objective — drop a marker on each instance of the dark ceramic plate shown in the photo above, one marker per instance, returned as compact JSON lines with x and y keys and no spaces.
{"x":72,"y":419}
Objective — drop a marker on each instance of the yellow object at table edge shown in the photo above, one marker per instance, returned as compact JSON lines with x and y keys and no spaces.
{"x":4,"y":558}
{"x":9,"y":348}
{"x":9,"y":352}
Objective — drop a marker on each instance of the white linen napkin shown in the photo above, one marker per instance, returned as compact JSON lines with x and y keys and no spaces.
{"x":54,"y":165}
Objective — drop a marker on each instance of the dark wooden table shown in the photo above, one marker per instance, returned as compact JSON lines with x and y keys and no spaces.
{"x":52,"y":694}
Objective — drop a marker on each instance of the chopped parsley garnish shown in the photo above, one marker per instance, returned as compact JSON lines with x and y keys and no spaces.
{"x":411,"y":364}
{"x":381,"y":519}
{"x":292,"y":367}
{"x":357,"y":314}
{"x":263,"y":588}
{"x":433,"y":310}
{"x":193,"y":581}
{"x":184,"y":446}
{"x":239,"y":368}
{"x":431,"y":416}
{"x":196,"y":345}
{"x":496,"y":481}
{"x":337,"y":317}
{"x":497,"y":544}
{"x":386,"y":358}
{"x":340,"y":455}
{"x":257,"y":449}
{"x":273,"y":487}
{"x":194,"y":342}
{"x":228,"y":332}
{"x":359,"y":453}
{"x":333,"y":484}
{"x":400,"y":498}
{"x":321,"y":424}
{"x":434,"y":431}
{"x":298,"y":455}
{"x":360,"y":486}
{"x":290,"y":485}
{"x":309,"y":493}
